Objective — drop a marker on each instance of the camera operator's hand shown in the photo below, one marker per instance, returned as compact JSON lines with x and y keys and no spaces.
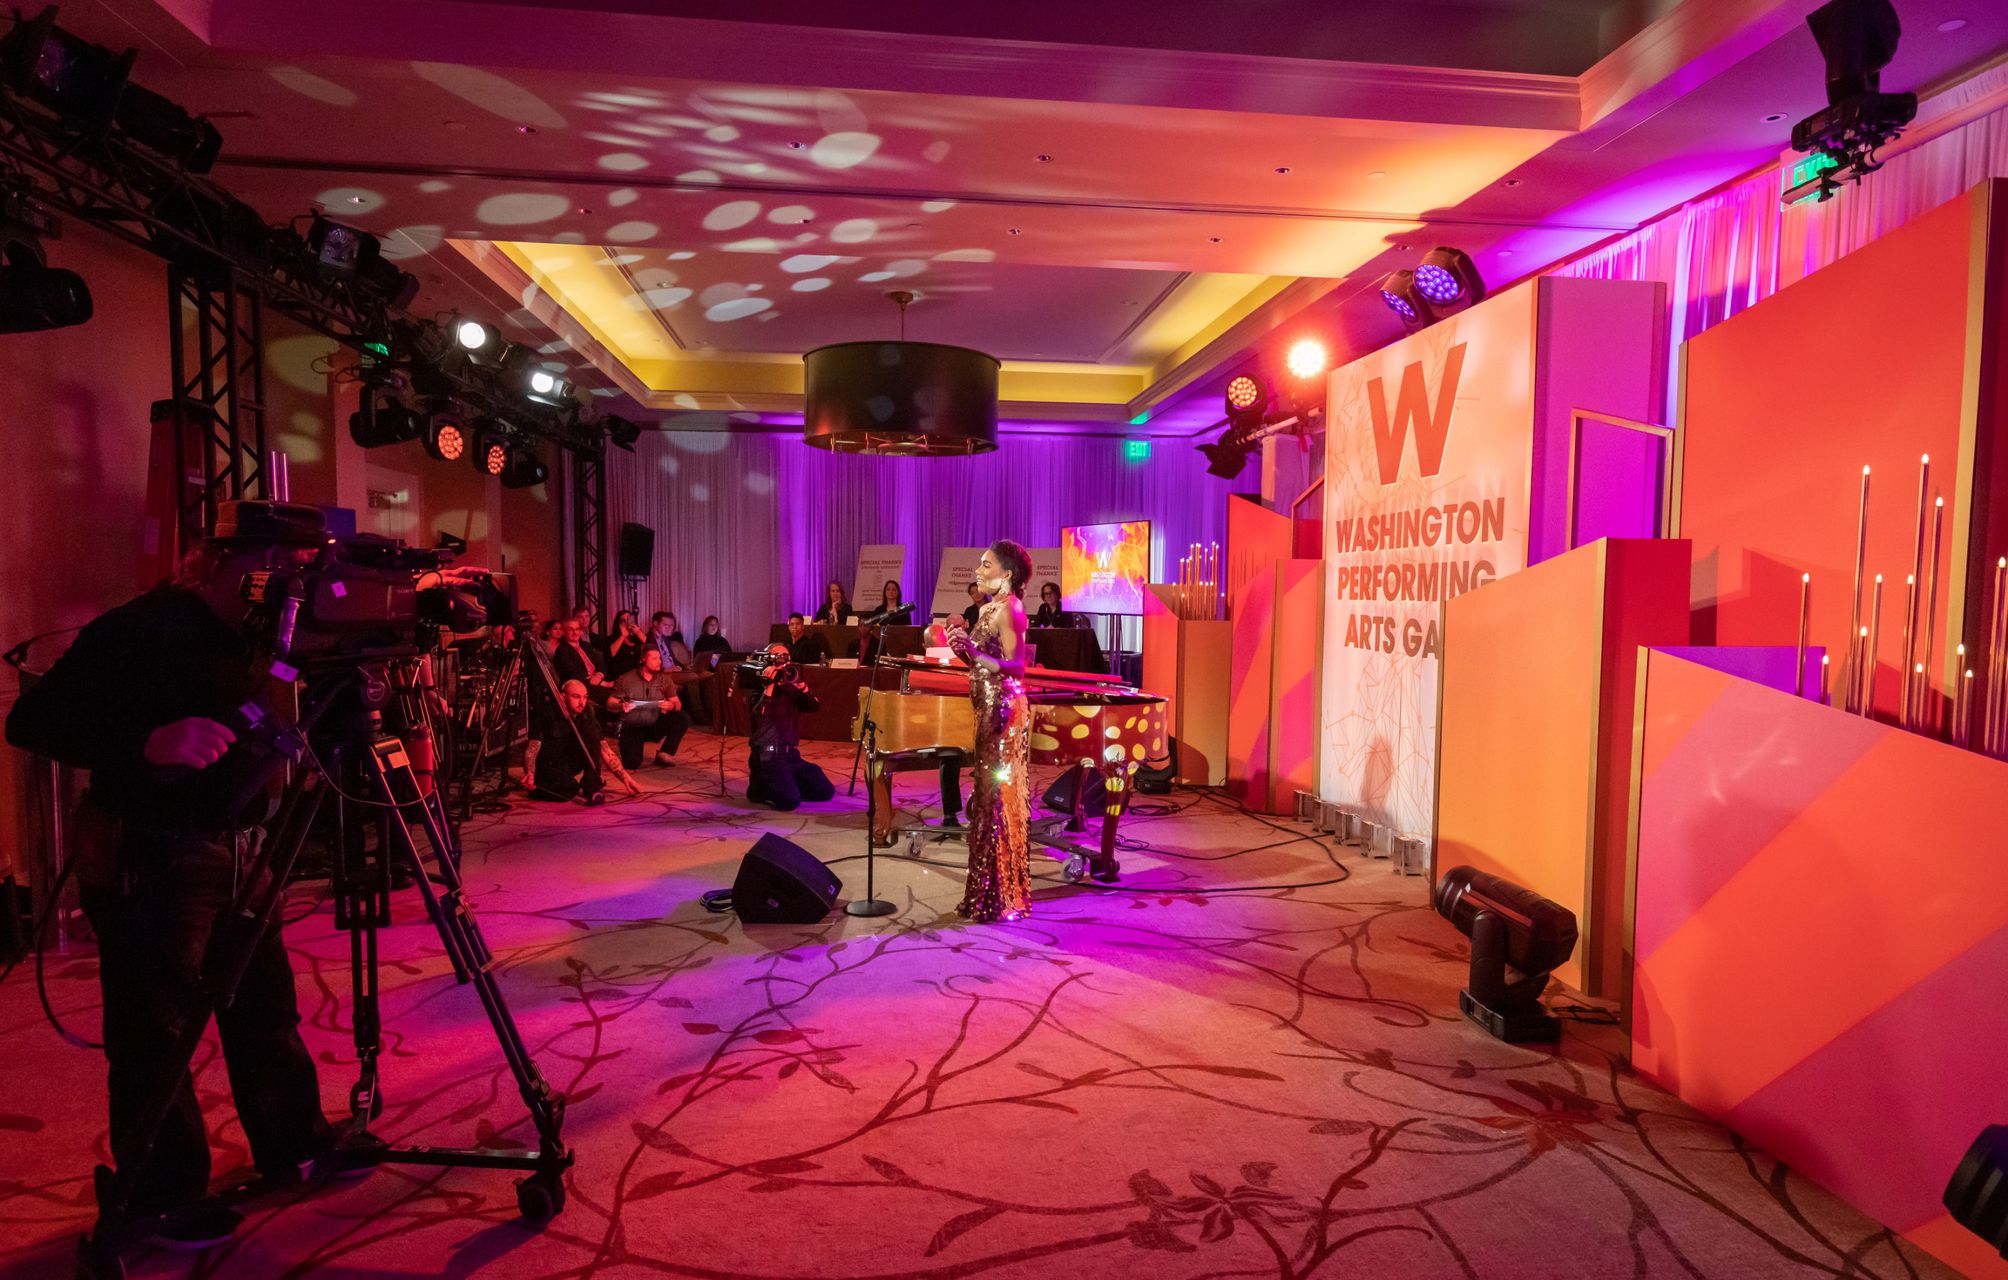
{"x":194,"y":743}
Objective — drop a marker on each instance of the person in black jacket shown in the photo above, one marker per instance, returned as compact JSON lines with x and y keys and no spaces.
{"x":143,"y":699}
{"x":1050,"y":613}
{"x":807,"y":648}
{"x":776,"y":773}
{"x":569,"y":764}
{"x":836,"y":607}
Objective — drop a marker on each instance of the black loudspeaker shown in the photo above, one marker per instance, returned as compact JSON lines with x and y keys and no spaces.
{"x":637,"y":551}
{"x":780,"y":882}
{"x":1060,"y":796}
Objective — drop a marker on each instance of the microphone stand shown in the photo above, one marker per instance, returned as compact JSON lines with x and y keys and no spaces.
{"x":870,"y":905}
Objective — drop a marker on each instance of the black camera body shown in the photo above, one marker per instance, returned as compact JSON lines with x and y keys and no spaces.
{"x":364,"y":596}
{"x":764,"y":668}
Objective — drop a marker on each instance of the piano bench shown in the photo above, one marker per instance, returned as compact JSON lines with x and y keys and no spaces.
{"x":918,"y":759}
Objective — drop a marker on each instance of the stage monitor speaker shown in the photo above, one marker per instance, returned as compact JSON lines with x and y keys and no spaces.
{"x":780,"y":882}
{"x":1060,"y":796}
{"x":637,"y":551}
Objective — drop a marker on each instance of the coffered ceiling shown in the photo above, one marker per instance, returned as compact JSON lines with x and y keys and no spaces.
{"x":1120,"y":200}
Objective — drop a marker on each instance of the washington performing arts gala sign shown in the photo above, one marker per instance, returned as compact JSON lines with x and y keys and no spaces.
{"x":1429,"y":446}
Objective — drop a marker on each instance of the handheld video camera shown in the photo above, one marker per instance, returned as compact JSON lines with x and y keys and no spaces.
{"x":764,"y":668}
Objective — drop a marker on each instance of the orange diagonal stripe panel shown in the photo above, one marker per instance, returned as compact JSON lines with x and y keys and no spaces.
{"x":1842,"y":907}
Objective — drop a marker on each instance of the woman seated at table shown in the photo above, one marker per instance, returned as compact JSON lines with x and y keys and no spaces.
{"x":711,"y":640}
{"x":893,"y":611}
{"x":1050,"y":613}
{"x":836,"y":609}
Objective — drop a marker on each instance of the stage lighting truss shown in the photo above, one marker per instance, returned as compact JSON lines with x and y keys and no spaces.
{"x":89,"y":89}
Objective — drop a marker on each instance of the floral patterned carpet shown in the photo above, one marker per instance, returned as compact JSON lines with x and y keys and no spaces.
{"x":1244,"y":1061}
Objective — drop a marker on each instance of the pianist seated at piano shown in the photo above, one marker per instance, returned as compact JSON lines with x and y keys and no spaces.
{"x":836,"y":607}
{"x":807,"y":648}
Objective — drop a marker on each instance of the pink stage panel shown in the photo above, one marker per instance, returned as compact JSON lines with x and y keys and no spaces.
{"x":1820,"y":933}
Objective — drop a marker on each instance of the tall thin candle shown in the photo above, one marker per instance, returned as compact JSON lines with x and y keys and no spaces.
{"x":1853,"y":660}
{"x":1868,"y":703}
{"x":1925,"y":705}
{"x":1805,"y":608}
{"x":1910,"y":613}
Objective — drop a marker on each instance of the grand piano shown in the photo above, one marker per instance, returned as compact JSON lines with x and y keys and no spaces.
{"x":1097,"y":728}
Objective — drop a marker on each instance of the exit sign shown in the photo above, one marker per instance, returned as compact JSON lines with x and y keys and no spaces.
{"x":1806,"y":180}
{"x":1136,"y":450}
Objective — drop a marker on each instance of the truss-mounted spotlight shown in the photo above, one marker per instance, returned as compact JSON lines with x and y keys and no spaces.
{"x":385,"y":416}
{"x":1308,"y":358}
{"x":489,"y":453}
{"x":341,"y":248}
{"x":621,"y":432}
{"x":546,"y":387}
{"x":1398,"y":291}
{"x":1448,"y":280}
{"x":479,"y":342}
{"x":34,"y":296}
{"x":445,"y":435}
{"x":1247,"y":399}
{"x":89,"y":86}
{"x":523,"y":470}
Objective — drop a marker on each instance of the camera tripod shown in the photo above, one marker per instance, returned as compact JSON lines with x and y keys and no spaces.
{"x":368,"y":772}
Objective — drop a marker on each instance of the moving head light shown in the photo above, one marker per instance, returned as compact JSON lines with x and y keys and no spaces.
{"x":1517,"y":938}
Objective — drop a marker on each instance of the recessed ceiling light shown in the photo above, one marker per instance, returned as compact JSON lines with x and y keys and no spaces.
{"x":356,"y":199}
{"x":1951,"y":24}
{"x":1282,"y":168}
{"x":1378,"y":173}
{"x":1774,"y":117}
{"x":1213,"y":239}
{"x":1510,"y":182}
{"x":1015,"y":231}
{"x":583,"y":209}
{"x":1043,"y":158}
{"x":796,"y":146}
{"x":526,"y":128}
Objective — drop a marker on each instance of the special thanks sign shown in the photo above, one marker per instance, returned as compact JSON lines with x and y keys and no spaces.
{"x":1429,"y":445}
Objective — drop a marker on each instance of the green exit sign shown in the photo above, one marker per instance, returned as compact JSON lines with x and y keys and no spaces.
{"x":1136,"y":450}
{"x":1803,"y":181}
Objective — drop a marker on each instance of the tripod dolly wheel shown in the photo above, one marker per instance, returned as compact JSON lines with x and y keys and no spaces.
{"x":1075,"y":869}
{"x":540,"y":1197}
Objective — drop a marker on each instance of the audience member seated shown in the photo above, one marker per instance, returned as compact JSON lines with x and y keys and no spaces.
{"x":975,"y":606}
{"x":625,"y":646}
{"x":650,"y":711}
{"x":777,"y":776}
{"x":712,"y":640}
{"x":575,"y":660}
{"x":893,"y":608}
{"x":806,"y":647}
{"x":1050,"y":613}
{"x":589,"y":634}
{"x":836,"y":609}
{"x":667,"y":640}
{"x":569,"y":764}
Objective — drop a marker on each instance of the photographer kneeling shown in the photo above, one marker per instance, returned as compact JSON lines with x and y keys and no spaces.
{"x":569,"y":764}
{"x":141,"y":699}
{"x":776,"y":773}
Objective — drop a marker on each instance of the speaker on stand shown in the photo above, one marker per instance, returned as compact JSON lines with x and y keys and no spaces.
{"x":634,"y":560}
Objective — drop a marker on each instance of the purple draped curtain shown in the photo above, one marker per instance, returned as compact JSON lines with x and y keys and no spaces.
{"x":749,"y":526}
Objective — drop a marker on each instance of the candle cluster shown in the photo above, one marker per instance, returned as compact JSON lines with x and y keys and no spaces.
{"x":1199,"y":582}
{"x":1920,"y":706}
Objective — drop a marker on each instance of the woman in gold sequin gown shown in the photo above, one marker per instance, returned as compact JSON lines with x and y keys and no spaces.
{"x":1000,"y":874}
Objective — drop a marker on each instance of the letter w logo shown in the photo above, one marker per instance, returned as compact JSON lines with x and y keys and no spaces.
{"x":1412,"y":410}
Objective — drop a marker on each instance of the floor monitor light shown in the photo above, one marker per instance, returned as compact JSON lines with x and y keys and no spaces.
{"x":1517,"y":938}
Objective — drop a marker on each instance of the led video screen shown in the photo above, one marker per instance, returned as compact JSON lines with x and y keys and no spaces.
{"x":1103,"y":567}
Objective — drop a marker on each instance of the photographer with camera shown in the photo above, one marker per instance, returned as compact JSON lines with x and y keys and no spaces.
{"x":776,"y":773}
{"x":144,"y":699}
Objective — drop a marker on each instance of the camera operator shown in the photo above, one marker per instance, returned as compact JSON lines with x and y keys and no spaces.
{"x":776,"y":773}
{"x":141,"y":699}
{"x":569,"y":764}
{"x":650,"y":712}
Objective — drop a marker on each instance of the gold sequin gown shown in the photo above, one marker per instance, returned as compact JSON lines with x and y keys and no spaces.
{"x":1000,"y":873}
